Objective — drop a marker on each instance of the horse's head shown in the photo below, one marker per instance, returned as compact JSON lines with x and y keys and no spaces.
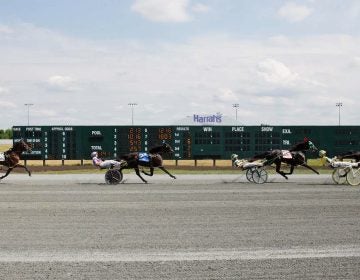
{"x":312,"y":147}
{"x":306,"y":145}
{"x":166,"y":148}
{"x":22,"y":146}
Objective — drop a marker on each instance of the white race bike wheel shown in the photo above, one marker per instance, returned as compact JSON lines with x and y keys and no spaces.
{"x":249,"y":174}
{"x":353,"y":177}
{"x":339,"y":175}
{"x":113,"y":177}
{"x":259,"y":176}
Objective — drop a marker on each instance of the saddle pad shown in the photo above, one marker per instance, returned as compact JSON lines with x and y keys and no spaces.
{"x":2,"y":156}
{"x":144,"y":157}
{"x":286,"y":154}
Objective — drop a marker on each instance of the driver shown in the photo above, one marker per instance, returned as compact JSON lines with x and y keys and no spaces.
{"x":244,"y":164}
{"x":102,"y":164}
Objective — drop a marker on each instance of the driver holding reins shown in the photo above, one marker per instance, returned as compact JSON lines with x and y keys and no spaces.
{"x":105,"y":163}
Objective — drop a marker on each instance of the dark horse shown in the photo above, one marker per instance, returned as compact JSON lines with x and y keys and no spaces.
{"x":293,"y":157}
{"x":12,"y":157}
{"x":351,"y":154}
{"x":152,"y":159}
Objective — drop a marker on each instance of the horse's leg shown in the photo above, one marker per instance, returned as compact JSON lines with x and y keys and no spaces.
{"x":309,"y":167}
{"x":167,"y":172}
{"x":138,"y":173}
{"x":291,"y":170}
{"x":23,"y":166}
{"x":278,"y":165}
{"x":151,"y":172}
{"x":7,"y":173}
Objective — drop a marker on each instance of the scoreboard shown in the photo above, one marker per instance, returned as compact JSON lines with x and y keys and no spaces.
{"x":188,"y":142}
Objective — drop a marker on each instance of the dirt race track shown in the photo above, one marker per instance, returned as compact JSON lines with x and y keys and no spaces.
{"x":195,"y":227}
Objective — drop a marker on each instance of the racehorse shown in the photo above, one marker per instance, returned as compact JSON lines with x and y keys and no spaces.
{"x":293,"y":157}
{"x":351,"y":154}
{"x":152,"y":159}
{"x":12,"y":157}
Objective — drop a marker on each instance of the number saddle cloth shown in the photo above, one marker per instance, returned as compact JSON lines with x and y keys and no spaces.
{"x":2,"y":156}
{"x":286,"y":154}
{"x":144,"y":157}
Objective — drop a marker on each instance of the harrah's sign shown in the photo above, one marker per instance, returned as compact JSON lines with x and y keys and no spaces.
{"x":207,"y":118}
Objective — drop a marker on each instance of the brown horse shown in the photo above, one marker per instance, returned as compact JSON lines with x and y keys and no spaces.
{"x":12,"y":157}
{"x":293,"y":157}
{"x":152,"y":159}
{"x":350,"y":154}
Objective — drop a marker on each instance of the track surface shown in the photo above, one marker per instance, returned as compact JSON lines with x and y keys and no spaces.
{"x":195,"y":227}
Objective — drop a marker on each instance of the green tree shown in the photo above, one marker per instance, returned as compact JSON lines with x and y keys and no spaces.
{"x":6,"y":134}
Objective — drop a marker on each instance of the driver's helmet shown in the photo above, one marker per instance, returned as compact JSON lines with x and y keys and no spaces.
{"x":94,"y":154}
{"x":322,"y":153}
{"x":234,"y":157}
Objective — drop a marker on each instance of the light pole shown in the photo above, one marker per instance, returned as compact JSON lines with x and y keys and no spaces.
{"x":236,"y":106}
{"x":132,"y":105}
{"x":339,"y":104}
{"x":28,"y":111}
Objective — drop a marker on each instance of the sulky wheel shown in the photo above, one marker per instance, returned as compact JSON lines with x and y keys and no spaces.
{"x":249,"y":174}
{"x":259,"y":176}
{"x":113,"y":176}
{"x":339,"y":175}
{"x":353,"y":177}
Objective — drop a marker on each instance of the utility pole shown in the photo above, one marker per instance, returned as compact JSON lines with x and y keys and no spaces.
{"x":236,"y":106}
{"x":28,"y":112}
{"x":132,"y":105}
{"x":339,"y":104}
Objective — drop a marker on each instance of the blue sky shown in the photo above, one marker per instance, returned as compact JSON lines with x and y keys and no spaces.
{"x":81,"y":62}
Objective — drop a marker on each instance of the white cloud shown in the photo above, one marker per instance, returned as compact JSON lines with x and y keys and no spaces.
{"x":173,"y":80}
{"x":275,"y":72}
{"x":354,"y":10}
{"x":59,"y":82}
{"x":5,"y":29}
{"x":293,"y":12}
{"x":200,"y":8}
{"x":355,"y":62}
{"x":3,"y":90}
{"x":163,"y":10}
{"x":7,"y":104}
{"x":225,"y":95}
{"x":44,"y":113}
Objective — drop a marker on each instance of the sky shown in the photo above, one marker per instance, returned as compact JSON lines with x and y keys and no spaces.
{"x":82,"y":62}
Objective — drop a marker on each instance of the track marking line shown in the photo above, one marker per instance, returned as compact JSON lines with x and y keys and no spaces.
{"x":161,"y":256}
